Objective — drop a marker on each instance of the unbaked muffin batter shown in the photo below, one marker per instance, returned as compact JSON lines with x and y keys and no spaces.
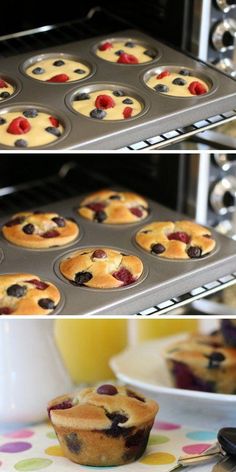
{"x":107,"y":105}
{"x":58,"y":70}
{"x":182,"y":84}
{"x":125,"y":52}
{"x":28,"y":128}
{"x":6,"y":89}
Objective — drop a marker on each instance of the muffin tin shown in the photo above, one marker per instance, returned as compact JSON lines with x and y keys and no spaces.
{"x":160,"y":114}
{"x":160,"y":281}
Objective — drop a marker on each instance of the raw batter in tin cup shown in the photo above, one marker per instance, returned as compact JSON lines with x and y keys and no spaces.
{"x":178,"y":84}
{"x":125,"y":52}
{"x":107,"y":105}
{"x":29,"y":128}
{"x":6,"y":89}
{"x":58,"y":70}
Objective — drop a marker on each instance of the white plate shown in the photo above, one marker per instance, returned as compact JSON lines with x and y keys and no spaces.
{"x":143,"y":366}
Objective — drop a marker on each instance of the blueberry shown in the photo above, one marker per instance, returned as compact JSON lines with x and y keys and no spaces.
{"x":32,"y":113}
{"x":115,"y":430}
{"x":98,"y":114}
{"x":55,"y":131}
{"x":21,"y":143}
{"x":119,"y":52}
{"x":79,"y":71}
{"x":99,"y":254}
{"x":2,"y":121}
{"x":130,"y":44}
{"x":161,"y":88}
{"x":128,"y":101}
{"x":28,"y":229}
{"x":5,"y":95}
{"x":158,"y":248}
{"x":82,"y":96}
{"x":107,"y":389}
{"x":150,"y":53}
{"x":184,"y":72}
{"x":82,"y":277}
{"x":179,"y":81}
{"x":46,"y":303}
{"x":59,"y":63}
{"x":194,"y":252}
{"x":72,"y":443}
{"x":59,"y":221}
{"x":215,"y":359}
{"x":16,"y":290}
{"x":119,"y":93}
{"x":100,"y":216}
{"x":38,"y":71}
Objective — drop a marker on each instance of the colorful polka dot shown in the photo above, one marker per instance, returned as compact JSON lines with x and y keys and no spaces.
{"x":54,"y":451}
{"x":166,"y":426}
{"x":32,"y":464}
{"x":15,"y":447}
{"x":202,"y":435}
{"x":0,"y":463}
{"x":51,"y":435}
{"x":23,"y":433}
{"x":196,"y":448}
{"x":157,"y":439}
{"x":158,"y":458}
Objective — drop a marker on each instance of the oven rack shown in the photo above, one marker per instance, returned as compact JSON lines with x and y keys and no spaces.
{"x":179,"y":134}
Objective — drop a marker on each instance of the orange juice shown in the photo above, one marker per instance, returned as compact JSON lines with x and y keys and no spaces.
{"x":87,"y":345}
{"x":148,"y":328}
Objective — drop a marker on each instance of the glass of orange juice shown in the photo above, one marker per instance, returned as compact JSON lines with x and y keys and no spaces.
{"x":87,"y":345}
{"x":156,"y":328}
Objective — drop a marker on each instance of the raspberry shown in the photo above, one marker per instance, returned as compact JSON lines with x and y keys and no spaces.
{"x":59,"y":78}
{"x":163,"y":74}
{"x":104,"y":101}
{"x":5,"y":310}
{"x":124,"y":275}
{"x":19,"y":126}
{"x":54,"y":121}
{"x":38,"y":284}
{"x":50,"y":234}
{"x":96,"y":206}
{"x":179,"y":236}
{"x":136,"y":211}
{"x":105,"y":46}
{"x":196,"y":88}
{"x":127,"y":112}
{"x":127,"y":59}
{"x":3,"y":84}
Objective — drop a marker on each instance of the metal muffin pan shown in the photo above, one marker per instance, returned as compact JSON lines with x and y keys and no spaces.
{"x":161,"y":280}
{"x":163,"y":114}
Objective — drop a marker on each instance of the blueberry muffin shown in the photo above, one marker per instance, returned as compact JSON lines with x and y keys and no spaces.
{"x":111,"y":207}
{"x":201,"y":366}
{"x":6,"y":90}
{"x":29,"y":128}
{"x":176,"y":240}
{"x":104,"y":426}
{"x":178,"y":84}
{"x":228,"y":330}
{"x":57,"y":70}
{"x":125,"y":52}
{"x":107,"y":105}
{"x":27,"y":294}
{"x":101,"y":268}
{"x":38,"y":230}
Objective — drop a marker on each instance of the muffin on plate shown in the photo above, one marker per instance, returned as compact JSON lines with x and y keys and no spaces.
{"x":103,"y":426}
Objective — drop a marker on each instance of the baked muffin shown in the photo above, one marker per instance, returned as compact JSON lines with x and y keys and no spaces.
{"x":29,"y":128}
{"x":107,"y":105}
{"x":6,"y":89}
{"x":37,"y":230}
{"x":111,"y":207}
{"x":104,"y":426}
{"x":101,"y":268}
{"x":176,"y":240}
{"x":228,"y":330}
{"x":195,"y":365}
{"x":125,"y":52}
{"x":58,"y":69}
{"x":27,"y":294}
{"x":180,"y":83}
